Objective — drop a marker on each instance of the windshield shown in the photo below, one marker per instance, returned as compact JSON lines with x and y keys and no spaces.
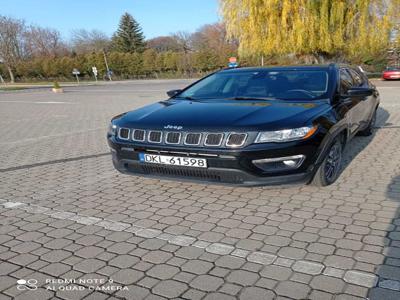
{"x":268,"y":84}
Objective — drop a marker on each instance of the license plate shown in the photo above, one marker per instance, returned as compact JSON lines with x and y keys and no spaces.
{"x":173,"y":160}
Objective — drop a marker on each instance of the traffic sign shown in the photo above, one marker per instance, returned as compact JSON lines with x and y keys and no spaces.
{"x":232,"y":62}
{"x":76,"y":73}
{"x":94,"y":70}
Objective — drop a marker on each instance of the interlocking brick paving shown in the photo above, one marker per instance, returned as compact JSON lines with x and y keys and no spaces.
{"x":67,"y":214}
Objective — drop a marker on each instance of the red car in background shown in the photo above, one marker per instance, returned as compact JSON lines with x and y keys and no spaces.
{"x":391,"y":73}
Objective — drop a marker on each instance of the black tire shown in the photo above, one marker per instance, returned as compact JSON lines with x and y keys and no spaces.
{"x":370,"y":128}
{"x":329,"y":170}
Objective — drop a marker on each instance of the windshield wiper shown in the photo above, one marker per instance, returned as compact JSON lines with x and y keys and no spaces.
{"x":251,"y":98}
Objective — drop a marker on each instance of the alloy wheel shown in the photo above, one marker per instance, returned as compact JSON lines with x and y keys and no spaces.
{"x":333,"y":161}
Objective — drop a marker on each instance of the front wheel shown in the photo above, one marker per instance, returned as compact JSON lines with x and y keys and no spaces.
{"x":329,"y":169}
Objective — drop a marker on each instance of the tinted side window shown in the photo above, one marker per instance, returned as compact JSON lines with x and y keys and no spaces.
{"x":358,"y":79}
{"x":346,"y":81}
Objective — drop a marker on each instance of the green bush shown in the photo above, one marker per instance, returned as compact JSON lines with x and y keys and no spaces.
{"x":149,"y":64}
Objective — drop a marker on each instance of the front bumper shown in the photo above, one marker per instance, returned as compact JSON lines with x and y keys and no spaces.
{"x":211,"y":174}
{"x":391,"y":76}
{"x":224,"y":166}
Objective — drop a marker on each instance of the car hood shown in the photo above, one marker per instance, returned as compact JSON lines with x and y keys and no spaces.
{"x":224,"y":114}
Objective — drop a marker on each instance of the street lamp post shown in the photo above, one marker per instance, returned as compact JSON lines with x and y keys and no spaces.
{"x":108,"y":70}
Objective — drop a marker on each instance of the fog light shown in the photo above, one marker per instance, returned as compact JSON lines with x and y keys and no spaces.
{"x":277,"y":164}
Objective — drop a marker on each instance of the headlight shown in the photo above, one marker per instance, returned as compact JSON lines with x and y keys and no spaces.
{"x":112,"y":129}
{"x":286,"y":134}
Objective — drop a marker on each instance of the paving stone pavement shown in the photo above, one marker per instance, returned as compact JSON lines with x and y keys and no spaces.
{"x":67,"y":215}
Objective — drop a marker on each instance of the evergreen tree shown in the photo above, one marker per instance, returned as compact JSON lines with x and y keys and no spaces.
{"x":129,"y":36}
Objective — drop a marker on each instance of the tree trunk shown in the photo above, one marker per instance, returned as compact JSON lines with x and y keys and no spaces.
{"x":11,"y":74}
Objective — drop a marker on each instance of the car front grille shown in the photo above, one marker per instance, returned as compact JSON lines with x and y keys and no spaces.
{"x":178,"y":138}
{"x":189,"y":173}
{"x":173,"y":138}
{"x":236,"y":139}
{"x":193,"y":138}
{"x":213,"y":139}
{"x":155,"y":136}
{"x":138,"y":135}
{"x":161,"y":170}
{"x":123,"y":133}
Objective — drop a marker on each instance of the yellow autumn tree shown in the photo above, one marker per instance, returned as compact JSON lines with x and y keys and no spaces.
{"x":395,"y":38}
{"x":352,"y":29}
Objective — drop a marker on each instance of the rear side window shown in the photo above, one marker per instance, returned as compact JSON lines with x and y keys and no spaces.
{"x":346,"y":81}
{"x":358,"y":79}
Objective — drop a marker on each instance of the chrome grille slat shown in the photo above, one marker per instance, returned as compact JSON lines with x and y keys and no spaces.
{"x":213,"y":139}
{"x":173,"y":138}
{"x":155,"y":136}
{"x":192,"y":138}
{"x":123,"y":133}
{"x":236,"y":139}
{"x":139,"y":135}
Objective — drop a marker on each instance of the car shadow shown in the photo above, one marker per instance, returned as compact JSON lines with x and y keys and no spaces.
{"x":388,"y":287}
{"x":359,"y":143}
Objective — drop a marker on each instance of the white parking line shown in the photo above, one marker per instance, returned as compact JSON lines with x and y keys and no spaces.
{"x":52,"y":136}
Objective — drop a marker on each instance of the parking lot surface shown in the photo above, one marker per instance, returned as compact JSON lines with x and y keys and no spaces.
{"x":71,"y":227}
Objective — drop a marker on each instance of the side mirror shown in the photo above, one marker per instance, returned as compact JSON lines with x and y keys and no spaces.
{"x":172,"y":93}
{"x":360,"y":92}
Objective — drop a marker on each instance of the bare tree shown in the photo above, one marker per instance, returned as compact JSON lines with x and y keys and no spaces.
{"x":213,"y":36}
{"x":43,"y":42}
{"x":163,"y":43}
{"x":184,"y":40}
{"x":84,"y":41}
{"x":12,"y":45}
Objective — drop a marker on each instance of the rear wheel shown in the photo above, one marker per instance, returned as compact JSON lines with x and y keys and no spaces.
{"x":370,"y":128}
{"x":329,"y":170}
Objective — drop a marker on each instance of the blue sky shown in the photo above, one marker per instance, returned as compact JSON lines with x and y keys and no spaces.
{"x":157,"y":17}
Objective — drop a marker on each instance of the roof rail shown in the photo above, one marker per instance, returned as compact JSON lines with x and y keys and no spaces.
{"x":361,"y":69}
{"x":230,"y":68}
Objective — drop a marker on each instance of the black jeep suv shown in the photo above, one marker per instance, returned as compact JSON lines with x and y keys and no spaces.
{"x":249,"y":126}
